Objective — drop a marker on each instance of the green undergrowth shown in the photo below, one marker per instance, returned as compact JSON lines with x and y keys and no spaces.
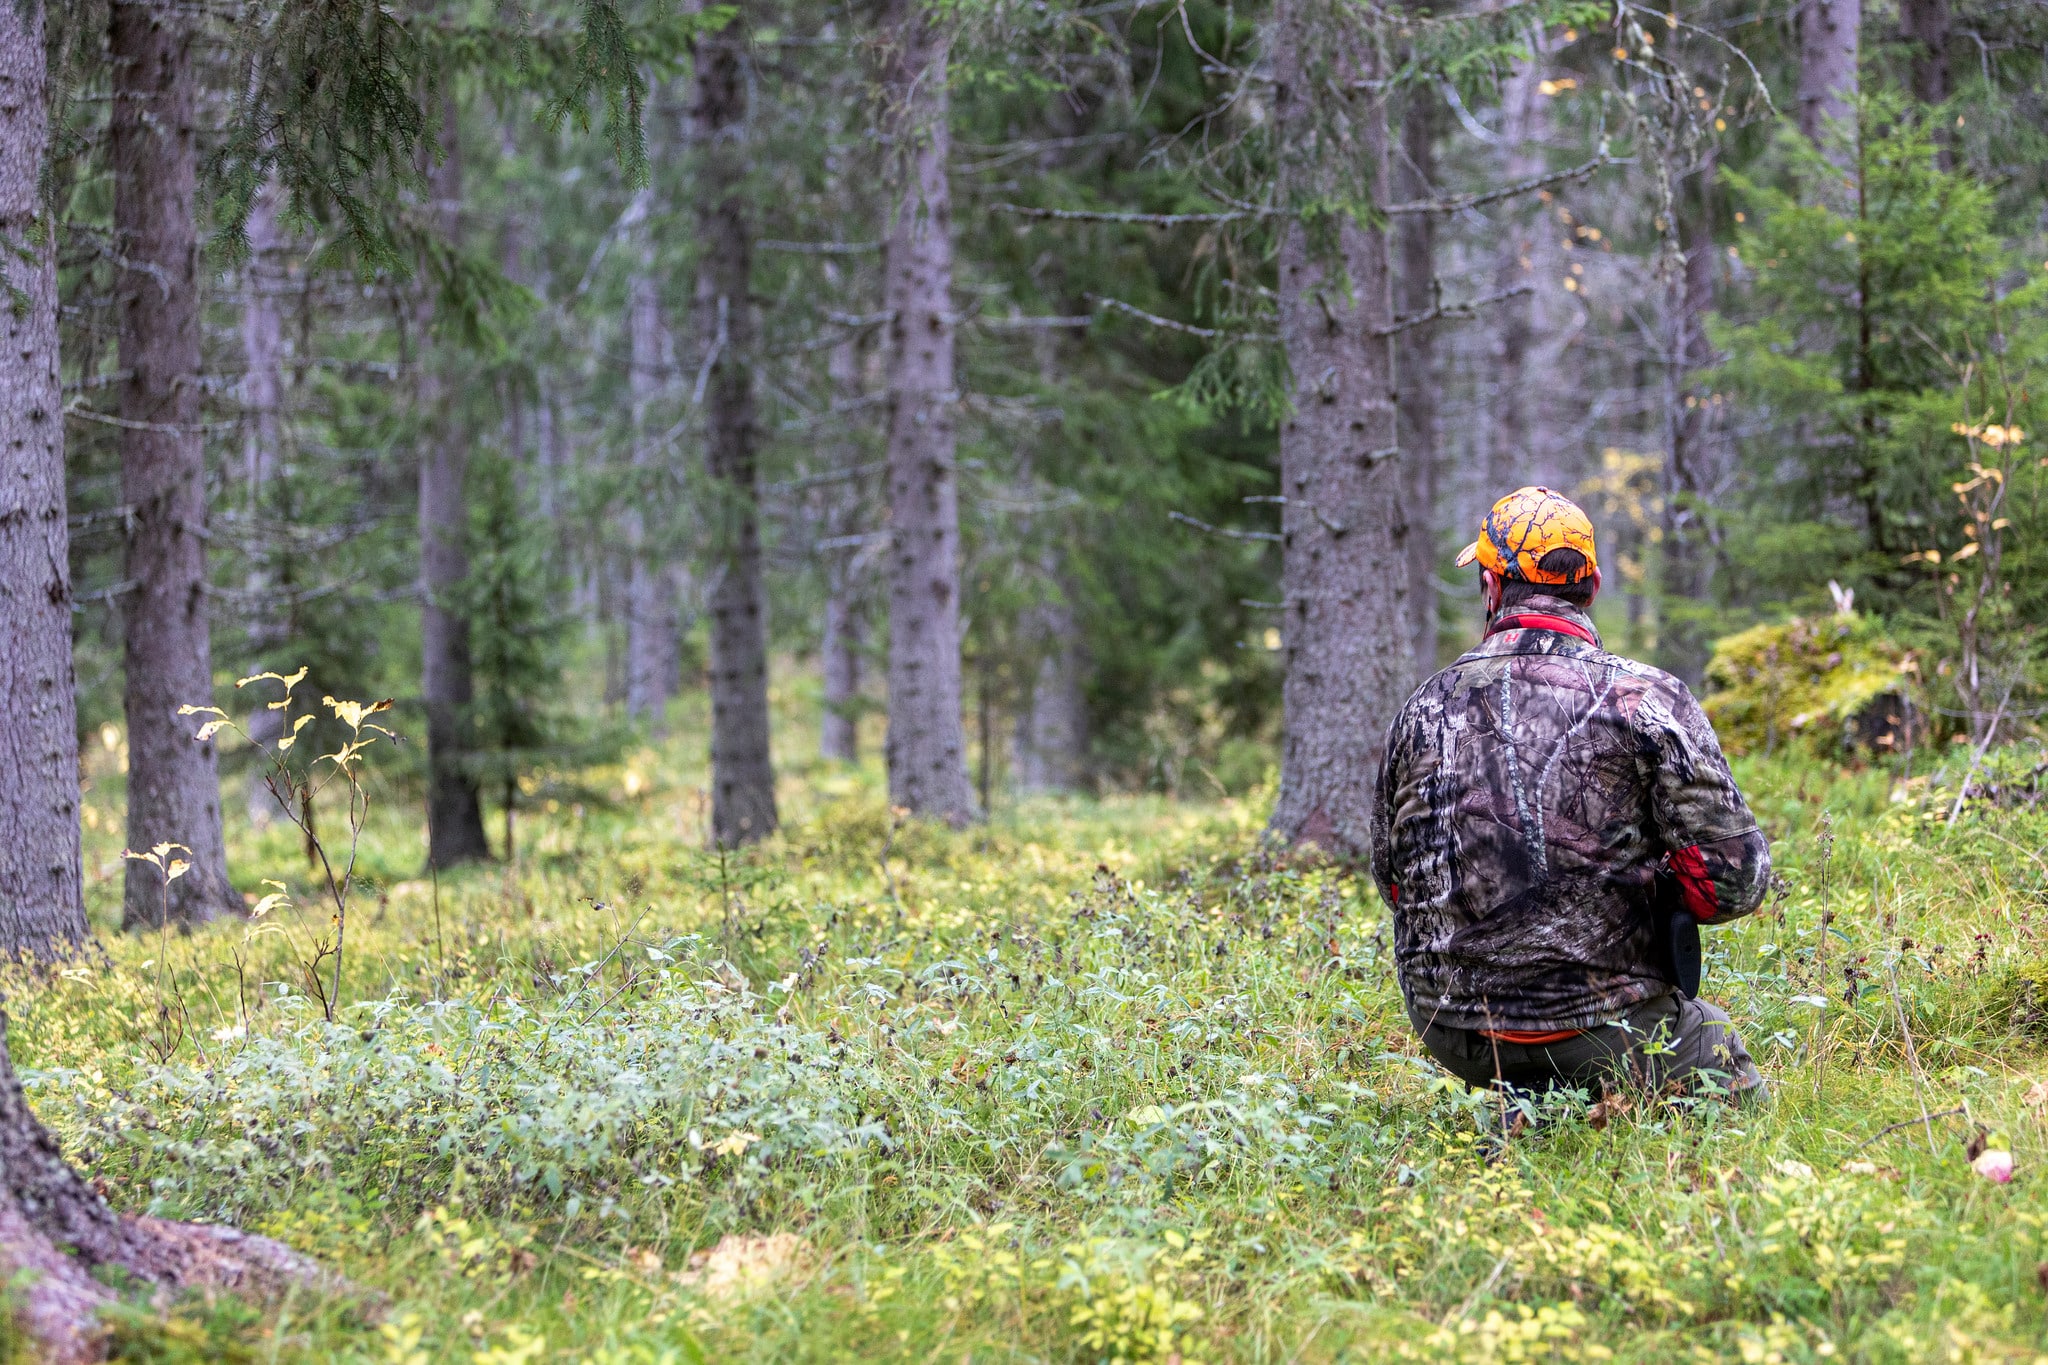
{"x":1098,"y":1081}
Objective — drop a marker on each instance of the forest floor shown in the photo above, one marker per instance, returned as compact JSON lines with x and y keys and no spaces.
{"x":1096,"y":1081}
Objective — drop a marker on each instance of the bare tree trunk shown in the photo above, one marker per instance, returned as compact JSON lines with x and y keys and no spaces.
{"x":1693,"y":476}
{"x":1415,"y":180}
{"x":653,"y":630}
{"x":455,"y":818}
{"x":1927,"y":25}
{"x":742,"y":773}
{"x":262,"y":441}
{"x":1521,"y":449}
{"x":1052,"y":726}
{"x":173,"y":781}
{"x":1347,"y":626}
{"x":844,"y":635}
{"x":927,"y":746}
{"x":42,"y":910}
{"x":1829,"y":48}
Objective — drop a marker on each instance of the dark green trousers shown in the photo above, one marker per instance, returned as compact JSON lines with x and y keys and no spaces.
{"x":1659,"y":1042}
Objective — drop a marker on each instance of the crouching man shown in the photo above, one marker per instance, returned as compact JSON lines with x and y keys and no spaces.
{"x":1552,"y":824}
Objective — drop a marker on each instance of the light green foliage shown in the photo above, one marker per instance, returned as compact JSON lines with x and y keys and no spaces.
{"x":1097,"y":1082}
{"x":1805,"y":683}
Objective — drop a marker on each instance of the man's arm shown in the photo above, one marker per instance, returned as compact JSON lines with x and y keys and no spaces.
{"x":1721,"y":860}
{"x":1383,"y":818}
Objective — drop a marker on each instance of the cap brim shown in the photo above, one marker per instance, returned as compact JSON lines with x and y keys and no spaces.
{"x":1468,"y":554}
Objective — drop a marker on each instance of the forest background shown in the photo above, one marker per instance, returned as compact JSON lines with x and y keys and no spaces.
{"x":745,"y":441}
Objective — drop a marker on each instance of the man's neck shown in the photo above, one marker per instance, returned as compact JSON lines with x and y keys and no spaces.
{"x":1541,"y":611}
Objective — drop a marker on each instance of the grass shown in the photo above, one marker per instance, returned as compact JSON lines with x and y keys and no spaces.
{"x":1100,"y":1080}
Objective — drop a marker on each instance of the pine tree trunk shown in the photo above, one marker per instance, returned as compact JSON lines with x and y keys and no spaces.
{"x":927,"y":744}
{"x":42,"y":910}
{"x":1415,"y":180}
{"x":653,"y":628}
{"x":1051,"y":737}
{"x":1521,"y":448}
{"x":262,"y":441}
{"x":839,"y":648}
{"x":455,"y":818}
{"x":844,"y":635}
{"x":1926,"y":27}
{"x":1347,"y":626}
{"x":1829,"y":48}
{"x":1694,"y":473}
{"x":173,"y":781}
{"x":742,"y":774}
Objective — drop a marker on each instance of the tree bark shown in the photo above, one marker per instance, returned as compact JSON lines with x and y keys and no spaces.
{"x":1414,"y":180}
{"x":1927,"y":25}
{"x":1347,"y":627}
{"x":173,"y":781}
{"x":455,"y":819}
{"x":1051,"y":737}
{"x":1693,"y":474}
{"x":42,"y":909}
{"x":262,"y":440}
{"x":927,"y":744}
{"x":742,"y":773}
{"x":1829,"y":47}
{"x":844,"y":636}
{"x":653,"y":625}
{"x":840,"y":647}
{"x":1523,"y":448}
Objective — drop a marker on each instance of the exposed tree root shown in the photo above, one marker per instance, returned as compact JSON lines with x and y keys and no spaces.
{"x":55,"y":1230}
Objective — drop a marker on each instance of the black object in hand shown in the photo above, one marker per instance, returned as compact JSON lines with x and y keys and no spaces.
{"x":1677,"y":943}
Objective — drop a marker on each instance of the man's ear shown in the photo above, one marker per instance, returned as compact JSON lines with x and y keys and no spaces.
{"x":1489,"y":590}
{"x":1596,"y":586}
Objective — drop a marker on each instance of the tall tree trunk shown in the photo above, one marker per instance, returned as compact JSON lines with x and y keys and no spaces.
{"x":1347,"y":627}
{"x":927,"y":745}
{"x":42,"y":910}
{"x":1927,"y":25}
{"x":1829,"y":48}
{"x":844,"y":636}
{"x":742,"y":774}
{"x":262,"y":440}
{"x":1693,"y":473}
{"x":455,"y":818}
{"x":1415,"y":180}
{"x":173,"y":781}
{"x":1522,"y":448}
{"x":1051,"y":737}
{"x":653,"y":627}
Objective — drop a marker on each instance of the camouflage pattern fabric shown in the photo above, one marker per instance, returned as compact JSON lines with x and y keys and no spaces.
{"x":1538,"y":799}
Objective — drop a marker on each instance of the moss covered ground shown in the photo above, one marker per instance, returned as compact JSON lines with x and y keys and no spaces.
{"x":1100,"y":1080}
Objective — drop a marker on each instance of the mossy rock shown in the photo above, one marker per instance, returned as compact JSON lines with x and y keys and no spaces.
{"x":1830,"y":686}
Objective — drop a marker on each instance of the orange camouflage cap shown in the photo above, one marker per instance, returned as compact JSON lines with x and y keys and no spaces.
{"x":1528,"y":527}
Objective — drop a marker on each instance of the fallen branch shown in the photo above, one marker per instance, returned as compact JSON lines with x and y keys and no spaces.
{"x":1925,"y":1118}
{"x":1171,"y":325}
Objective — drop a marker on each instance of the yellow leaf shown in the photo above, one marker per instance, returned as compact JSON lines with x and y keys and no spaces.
{"x":209,"y":730}
{"x":178,"y":868}
{"x":201,"y":711}
{"x":267,"y":904}
{"x":289,"y":683}
{"x":1964,"y":553}
{"x":143,"y":857}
